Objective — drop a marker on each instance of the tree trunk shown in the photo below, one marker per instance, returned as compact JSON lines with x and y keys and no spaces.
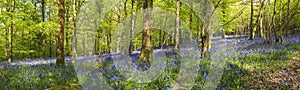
{"x":74,"y":41}
{"x":269,"y":39}
{"x":288,"y":14}
{"x":176,"y":34}
{"x":50,"y":41}
{"x":203,"y":42}
{"x":67,"y":30}
{"x":252,"y":31}
{"x":10,"y":32}
{"x":147,"y":49}
{"x":60,"y":52}
{"x":261,"y":13}
{"x":280,"y":31}
{"x":132,"y":26}
{"x":198,"y":30}
{"x":43,"y":10}
{"x":191,"y":26}
{"x":273,"y":20}
{"x":43,"y":19}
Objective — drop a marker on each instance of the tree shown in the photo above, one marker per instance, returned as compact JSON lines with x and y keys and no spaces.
{"x":10,"y":31}
{"x":60,"y":61}
{"x":252,"y":30}
{"x":269,"y":24}
{"x":132,"y":26}
{"x":273,"y":26}
{"x":147,"y":49}
{"x":75,"y":6}
{"x":260,"y":18}
{"x":176,"y":41}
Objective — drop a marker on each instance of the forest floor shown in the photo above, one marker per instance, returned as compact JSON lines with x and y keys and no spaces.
{"x":252,"y":65}
{"x":281,"y":77}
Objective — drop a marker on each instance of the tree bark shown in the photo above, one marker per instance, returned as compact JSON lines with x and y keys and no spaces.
{"x":68,"y":46}
{"x":60,"y":52}
{"x":204,"y":40}
{"x":147,"y":49}
{"x":43,"y":10}
{"x":273,"y":20}
{"x":279,"y":38}
{"x":260,"y":18}
{"x":10,"y":32}
{"x":191,"y":26}
{"x":132,"y":26}
{"x":269,"y":38}
{"x":252,"y":31}
{"x":288,"y":14}
{"x":74,"y":40}
{"x":176,"y":34}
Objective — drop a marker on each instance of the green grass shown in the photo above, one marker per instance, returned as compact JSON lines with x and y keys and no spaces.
{"x":37,"y":77}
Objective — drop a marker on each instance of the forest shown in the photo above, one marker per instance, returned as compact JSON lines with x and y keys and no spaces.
{"x":149,"y":44}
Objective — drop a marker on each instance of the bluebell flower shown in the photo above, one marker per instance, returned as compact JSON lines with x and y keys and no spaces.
{"x":116,"y":78}
{"x":40,"y":75}
{"x":85,"y":88}
{"x":286,"y":70}
{"x":33,"y":85}
{"x":168,"y":87}
{"x":219,"y":87}
{"x":113,"y":67}
{"x":94,"y":79}
{"x":204,"y":73}
{"x":206,"y":78}
{"x":241,"y":72}
{"x":6,"y":87}
{"x":286,"y":80}
{"x":172,"y":63}
{"x":224,"y":85}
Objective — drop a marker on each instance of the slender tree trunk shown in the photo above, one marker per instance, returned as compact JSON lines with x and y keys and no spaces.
{"x":43,"y":19}
{"x":74,"y":41}
{"x":288,"y":14}
{"x":269,"y":40}
{"x":203,"y":41}
{"x":132,"y":26}
{"x":147,"y":49}
{"x":273,"y":20}
{"x":108,"y":36}
{"x":261,"y":13}
{"x":191,"y":26}
{"x":60,"y":52}
{"x":165,"y":37}
{"x":208,"y":38}
{"x":10,"y":32}
{"x":50,"y":41}
{"x":252,"y":31}
{"x":176,"y":41}
{"x":43,"y":10}
{"x":261,"y":30}
{"x":67,"y":51}
{"x":223,"y":31}
{"x":280,"y":32}
{"x":198,"y":33}
{"x":119,"y":15}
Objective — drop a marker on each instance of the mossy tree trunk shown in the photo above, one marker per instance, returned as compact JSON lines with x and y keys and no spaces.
{"x":60,"y":61}
{"x":147,"y":49}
